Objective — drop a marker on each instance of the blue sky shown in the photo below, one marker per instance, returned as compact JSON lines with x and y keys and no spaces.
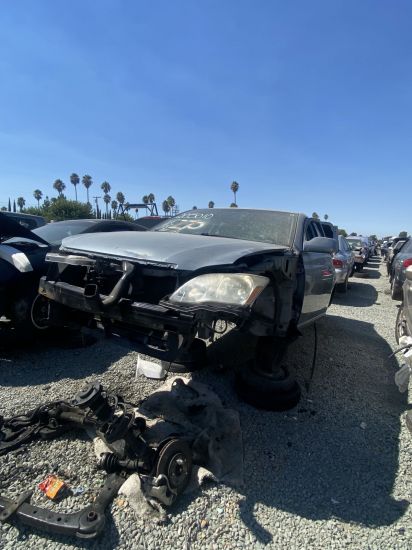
{"x":306,"y":104}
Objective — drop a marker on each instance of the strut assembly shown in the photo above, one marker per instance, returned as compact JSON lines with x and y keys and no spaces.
{"x":164,"y":468}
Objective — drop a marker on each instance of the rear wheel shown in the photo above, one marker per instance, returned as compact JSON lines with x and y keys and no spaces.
{"x":401,"y":326}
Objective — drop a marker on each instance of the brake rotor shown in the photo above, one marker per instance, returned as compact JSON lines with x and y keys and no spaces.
{"x":175,"y":462}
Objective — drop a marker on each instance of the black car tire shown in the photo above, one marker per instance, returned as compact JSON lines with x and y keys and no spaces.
{"x":396,"y":292}
{"x":20,"y":315}
{"x":194,"y":359}
{"x":401,"y":326}
{"x":38,"y":308}
{"x":266,"y":393}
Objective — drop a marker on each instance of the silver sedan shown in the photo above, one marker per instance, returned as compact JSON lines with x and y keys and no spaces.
{"x":344,"y":264}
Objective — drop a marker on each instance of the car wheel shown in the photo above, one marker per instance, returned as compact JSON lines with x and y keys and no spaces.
{"x":267,"y":393}
{"x":40,"y":312}
{"x":396,"y":292}
{"x":401,"y":326}
{"x":20,"y":312}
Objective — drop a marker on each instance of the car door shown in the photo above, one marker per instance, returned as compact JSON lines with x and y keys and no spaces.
{"x":319,"y":277}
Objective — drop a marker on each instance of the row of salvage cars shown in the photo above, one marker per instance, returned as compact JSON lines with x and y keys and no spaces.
{"x":171,"y":289}
{"x":399,"y":267}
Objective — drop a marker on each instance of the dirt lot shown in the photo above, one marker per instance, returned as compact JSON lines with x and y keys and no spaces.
{"x":333,"y":473}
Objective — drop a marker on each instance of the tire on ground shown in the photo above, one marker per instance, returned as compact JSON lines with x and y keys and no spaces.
{"x":265,"y":393}
{"x":401,"y":328}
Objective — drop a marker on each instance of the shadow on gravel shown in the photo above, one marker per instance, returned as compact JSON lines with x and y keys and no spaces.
{"x":359,"y":294}
{"x":45,"y":361}
{"x":336,"y":454}
{"x":372,"y":272}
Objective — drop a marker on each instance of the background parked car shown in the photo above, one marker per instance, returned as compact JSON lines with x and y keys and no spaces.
{"x":361,"y":251}
{"x":344,"y":264}
{"x":26,"y":220}
{"x":22,"y":263}
{"x":393,"y":252}
{"x":404,"y":319}
{"x":391,"y":246}
{"x":401,"y":261}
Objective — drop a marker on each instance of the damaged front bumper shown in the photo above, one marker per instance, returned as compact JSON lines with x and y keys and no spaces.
{"x":159,"y":330}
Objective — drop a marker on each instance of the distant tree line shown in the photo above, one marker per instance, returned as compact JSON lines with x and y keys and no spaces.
{"x":60,"y":207}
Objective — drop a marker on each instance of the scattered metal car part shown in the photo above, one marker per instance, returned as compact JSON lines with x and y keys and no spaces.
{"x":164,"y":467}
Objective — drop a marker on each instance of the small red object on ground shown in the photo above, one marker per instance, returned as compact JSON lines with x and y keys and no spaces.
{"x":52,"y":486}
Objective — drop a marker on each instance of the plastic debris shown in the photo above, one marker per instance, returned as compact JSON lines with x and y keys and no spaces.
{"x":150,"y":369}
{"x":53,"y":487}
{"x":363,"y":425}
{"x":77,"y":491}
{"x":402,"y":377}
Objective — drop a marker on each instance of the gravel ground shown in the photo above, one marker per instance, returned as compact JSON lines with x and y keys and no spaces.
{"x":332,"y":473}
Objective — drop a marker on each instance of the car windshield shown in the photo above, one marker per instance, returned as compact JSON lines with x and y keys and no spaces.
{"x":355,"y":243}
{"x":266,"y":226}
{"x":54,"y":233}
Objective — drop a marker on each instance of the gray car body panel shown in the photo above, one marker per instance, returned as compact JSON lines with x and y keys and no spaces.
{"x":180,"y":251}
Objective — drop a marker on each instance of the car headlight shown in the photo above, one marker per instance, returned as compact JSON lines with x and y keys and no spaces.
{"x":224,"y":288}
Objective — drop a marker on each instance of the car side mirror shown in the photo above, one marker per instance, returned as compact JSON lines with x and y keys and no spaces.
{"x":408,"y":273}
{"x":321,"y":244}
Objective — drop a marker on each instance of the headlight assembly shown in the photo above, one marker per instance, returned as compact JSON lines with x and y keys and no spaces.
{"x":238,"y":289}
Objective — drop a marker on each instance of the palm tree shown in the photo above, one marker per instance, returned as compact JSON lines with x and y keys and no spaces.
{"x":87,"y":182}
{"x":211,"y":204}
{"x":20,"y":203}
{"x":107,"y":198}
{"x":59,"y":186}
{"x":233,"y":205}
{"x":151,"y":198}
{"x":315,"y":215}
{"x":120,"y":198}
{"x":106,"y":187}
{"x":325,"y":217}
{"x":145,"y":199}
{"x":75,"y":180}
{"x":114,"y":206}
{"x":165,"y":207}
{"x":37,"y":194}
{"x":194,"y":207}
{"x":235,"y":188}
{"x":46,"y":202}
{"x":172,"y":203}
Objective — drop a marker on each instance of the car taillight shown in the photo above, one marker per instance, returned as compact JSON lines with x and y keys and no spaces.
{"x":406,"y":263}
{"x":337,"y":263}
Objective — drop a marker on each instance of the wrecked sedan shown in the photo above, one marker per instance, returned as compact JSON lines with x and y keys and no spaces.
{"x":22,"y":263}
{"x":261,"y":272}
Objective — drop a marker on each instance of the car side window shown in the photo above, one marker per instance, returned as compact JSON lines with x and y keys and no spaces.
{"x":310,"y":232}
